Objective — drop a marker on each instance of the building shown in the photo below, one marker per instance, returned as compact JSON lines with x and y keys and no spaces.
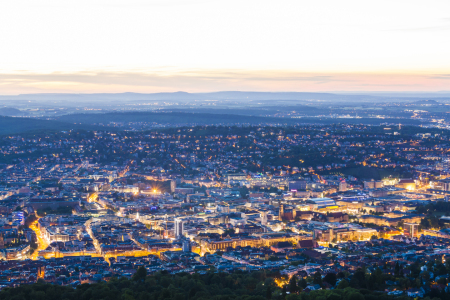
{"x":186,"y":246}
{"x":372,"y":208}
{"x":373,"y":184}
{"x":281,"y":212}
{"x":342,"y":186}
{"x":408,"y":184}
{"x":249,"y":228}
{"x":179,"y":227}
{"x":344,"y":234}
{"x":411,"y":229}
{"x":297,"y":185}
{"x":281,"y":247}
{"x":388,"y":221}
{"x":443,"y":185}
{"x":336,"y":217}
{"x":321,"y":202}
{"x":233,"y":178}
{"x":19,"y":252}
{"x":173,"y":185}
{"x":43,"y":203}
{"x":183,"y":191}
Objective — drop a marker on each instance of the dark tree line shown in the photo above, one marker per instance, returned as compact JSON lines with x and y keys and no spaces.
{"x":216,"y":286}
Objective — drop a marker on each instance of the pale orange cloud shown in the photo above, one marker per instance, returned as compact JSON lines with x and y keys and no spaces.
{"x":218,"y":80}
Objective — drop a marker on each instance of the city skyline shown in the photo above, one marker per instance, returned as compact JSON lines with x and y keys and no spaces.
{"x":225,"y":150}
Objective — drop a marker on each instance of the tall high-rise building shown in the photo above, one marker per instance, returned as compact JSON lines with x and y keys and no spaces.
{"x":186,"y":245}
{"x":263,"y":217}
{"x":179,"y":227}
{"x":411,"y":229}
{"x":173,"y":185}
{"x":41,"y":272}
{"x":342,"y":186}
{"x":281,"y":212}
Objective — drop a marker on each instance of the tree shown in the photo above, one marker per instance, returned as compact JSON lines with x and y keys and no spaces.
{"x":268,"y":292}
{"x":355,"y":296}
{"x":293,"y":297}
{"x":358,"y":279}
{"x":331,"y":278}
{"x":29,"y":220}
{"x":343,"y":284}
{"x":425,"y":275}
{"x":373,"y":237}
{"x":243,"y":191}
{"x":284,"y":292}
{"x":140,"y":274}
{"x":293,"y":285}
{"x":444,"y":294}
{"x":376,"y":279}
{"x":317,"y":278}
{"x":334,"y":296}
{"x":397,"y":269}
{"x":302,"y":283}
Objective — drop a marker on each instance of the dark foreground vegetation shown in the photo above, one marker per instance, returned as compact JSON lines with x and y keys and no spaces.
{"x":217,"y":286}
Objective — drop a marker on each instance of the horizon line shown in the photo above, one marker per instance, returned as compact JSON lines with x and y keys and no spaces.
{"x":237,"y":91}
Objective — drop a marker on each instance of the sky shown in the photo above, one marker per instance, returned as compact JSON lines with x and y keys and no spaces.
{"x":89,"y":46}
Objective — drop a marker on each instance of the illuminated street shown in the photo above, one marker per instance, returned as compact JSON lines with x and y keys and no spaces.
{"x":41,"y":241}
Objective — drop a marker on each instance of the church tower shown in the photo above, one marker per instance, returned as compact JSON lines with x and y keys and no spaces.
{"x":281,"y":214}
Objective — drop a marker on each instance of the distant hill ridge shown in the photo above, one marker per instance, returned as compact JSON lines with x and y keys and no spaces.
{"x":10,"y":111}
{"x":17,"y":125}
{"x":225,"y":95}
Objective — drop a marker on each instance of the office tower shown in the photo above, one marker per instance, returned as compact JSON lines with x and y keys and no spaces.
{"x":411,"y":229}
{"x":173,"y":185}
{"x":342,"y":186}
{"x":186,"y":245}
{"x":179,"y":227}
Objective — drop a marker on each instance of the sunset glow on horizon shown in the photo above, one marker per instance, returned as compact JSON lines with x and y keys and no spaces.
{"x":203,"y":46}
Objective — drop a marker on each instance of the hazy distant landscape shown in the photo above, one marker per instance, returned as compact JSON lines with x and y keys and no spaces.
{"x":234,"y":95}
{"x":134,"y":111}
